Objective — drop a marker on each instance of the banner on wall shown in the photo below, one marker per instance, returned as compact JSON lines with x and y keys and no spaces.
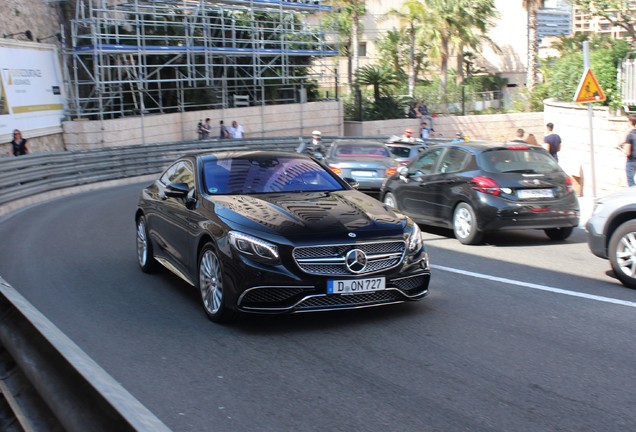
{"x":31,"y":88}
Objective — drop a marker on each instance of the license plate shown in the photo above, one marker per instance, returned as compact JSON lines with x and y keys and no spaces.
{"x":363,"y":173}
{"x":355,"y":286}
{"x":535,"y":193}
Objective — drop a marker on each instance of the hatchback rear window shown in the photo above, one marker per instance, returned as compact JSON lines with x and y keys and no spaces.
{"x":517,"y":161}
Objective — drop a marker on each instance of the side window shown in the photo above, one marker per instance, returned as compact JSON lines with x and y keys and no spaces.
{"x":180,"y":172}
{"x":452,"y":161}
{"x":426,"y":162}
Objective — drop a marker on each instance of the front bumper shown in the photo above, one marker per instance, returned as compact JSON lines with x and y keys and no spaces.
{"x":289,"y":299}
{"x":597,"y":241}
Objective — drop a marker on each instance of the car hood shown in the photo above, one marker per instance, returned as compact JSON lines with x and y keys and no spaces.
{"x":310,"y":215}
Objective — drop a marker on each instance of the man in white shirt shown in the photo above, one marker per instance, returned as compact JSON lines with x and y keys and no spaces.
{"x":236,"y":130}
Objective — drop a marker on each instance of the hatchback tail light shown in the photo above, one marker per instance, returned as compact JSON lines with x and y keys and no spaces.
{"x":391,"y":171}
{"x":336,"y":170}
{"x":486,"y":185}
{"x":569,"y":184}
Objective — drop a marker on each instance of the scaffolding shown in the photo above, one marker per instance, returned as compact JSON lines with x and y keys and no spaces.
{"x":139,"y":57}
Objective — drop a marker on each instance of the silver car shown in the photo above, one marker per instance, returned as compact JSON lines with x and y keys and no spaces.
{"x":369,"y":163}
{"x":611,"y":233}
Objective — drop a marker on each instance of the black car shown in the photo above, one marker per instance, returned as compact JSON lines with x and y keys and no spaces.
{"x":276,"y":232}
{"x":477,"y":187}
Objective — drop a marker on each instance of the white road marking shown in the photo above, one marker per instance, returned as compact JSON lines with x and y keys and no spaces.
{"x":535,"y":286}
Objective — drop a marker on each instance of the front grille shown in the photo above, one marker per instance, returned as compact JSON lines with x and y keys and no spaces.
{"x":412,"y":286}
{"x":268,"y":297}
{"x":345,"y":301}
{"x":330,"y":260}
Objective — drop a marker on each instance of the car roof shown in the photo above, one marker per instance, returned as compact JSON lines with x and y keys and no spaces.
{"x":481,"y":146}
{"x":357,"y":141}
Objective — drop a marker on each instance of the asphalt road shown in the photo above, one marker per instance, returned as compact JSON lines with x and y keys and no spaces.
{"x":519,"y":334}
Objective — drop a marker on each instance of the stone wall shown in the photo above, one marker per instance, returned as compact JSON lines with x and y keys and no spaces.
{"x":261,"y":121}
{"x":42,"y":18}
{"x":571,"y":122}
{"x":495,"y":127}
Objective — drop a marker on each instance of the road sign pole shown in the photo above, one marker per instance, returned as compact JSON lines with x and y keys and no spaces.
{"x":590,"y":115}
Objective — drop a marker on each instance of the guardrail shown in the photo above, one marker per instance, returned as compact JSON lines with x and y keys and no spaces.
{"x":49,"y":384}
{"x":43,"y":172}
{"x":46,"y":382}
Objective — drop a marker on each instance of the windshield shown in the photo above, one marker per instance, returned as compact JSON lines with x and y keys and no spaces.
{"x":361,"y":150}
{"x":401,"y":152}
{"x":517,"y":161}
{"x":265,"y":174}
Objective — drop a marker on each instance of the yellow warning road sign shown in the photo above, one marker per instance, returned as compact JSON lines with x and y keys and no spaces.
{"x":589,"y":89}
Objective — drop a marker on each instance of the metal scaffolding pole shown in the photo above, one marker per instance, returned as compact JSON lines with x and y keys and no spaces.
{"x":138,"y":57}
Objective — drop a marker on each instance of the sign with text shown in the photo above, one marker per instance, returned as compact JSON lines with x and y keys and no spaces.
{"x":31,"y":92}
{"x":589,"y":89}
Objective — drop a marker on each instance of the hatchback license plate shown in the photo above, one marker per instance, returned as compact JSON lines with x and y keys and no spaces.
{"x":535,"y":193}
{"x":363,"y":173}
{"x":355,"y":286}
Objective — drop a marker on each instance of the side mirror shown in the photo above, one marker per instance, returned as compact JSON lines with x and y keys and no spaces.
{"x":403,"y":171}
{"x":352,"y":182}
{"x":177,"y":190}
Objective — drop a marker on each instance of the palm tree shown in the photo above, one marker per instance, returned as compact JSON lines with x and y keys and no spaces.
{"x":412,"y":16}
{"x":349,"y":16}
{"x":380,"y":77}
{"x":480,"y":17}
{"x":531,"y":7}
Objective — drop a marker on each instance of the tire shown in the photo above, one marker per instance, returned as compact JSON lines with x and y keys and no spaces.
{"x":558,"y":234}
{"x":213,"y":285}
{"x":465,"y":225}
{"x":389,"y":200}
{"x":622,"y":253}
{"x":145,"y":255}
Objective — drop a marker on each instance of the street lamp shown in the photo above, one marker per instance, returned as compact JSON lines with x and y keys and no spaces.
{"x":26,"y":34}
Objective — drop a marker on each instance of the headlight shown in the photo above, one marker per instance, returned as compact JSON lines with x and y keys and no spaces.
{"x":254,"y":247}
{"x":598,"y":207}
{"x":415,"y":240}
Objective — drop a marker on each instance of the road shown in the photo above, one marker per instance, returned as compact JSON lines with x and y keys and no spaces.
{"x":519,"y":334}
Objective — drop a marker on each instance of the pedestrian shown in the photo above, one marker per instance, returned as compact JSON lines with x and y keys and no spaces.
{"x":236,"y":130}
{"x":532,"y":140}
{"x":19,"y":144}
{"x":207,"y":129}
{"x":223,"y":132}
{"x":519,"y":136}
{"x":425,"y":132}
{"x":407,"y":136}
{"x":552,"y":141}
{"x":629,"y":149}
{"x":425,"y":114}
{"x":315,"y":145}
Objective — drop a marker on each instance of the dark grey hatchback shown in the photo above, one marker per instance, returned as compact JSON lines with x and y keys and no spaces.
{"x":477,"y":187}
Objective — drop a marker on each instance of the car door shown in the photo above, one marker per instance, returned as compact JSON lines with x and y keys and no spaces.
{"x":410,"y":195}
{"x":440,"y":187}
{"x":173,"y":218}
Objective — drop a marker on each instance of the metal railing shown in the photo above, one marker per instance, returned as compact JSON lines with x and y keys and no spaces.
{"x":44,"y":172}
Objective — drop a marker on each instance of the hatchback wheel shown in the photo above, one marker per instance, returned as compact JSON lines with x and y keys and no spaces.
{"x":559,"y":234}
{"x":389,"y":200}
{"x":145,"y":255}
{"x":622,"y":253}
{"x":213,"y":285}
{"x":465,"y":225}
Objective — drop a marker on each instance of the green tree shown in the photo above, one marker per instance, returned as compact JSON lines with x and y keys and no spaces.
{"x":381,"y":78}
{"x":348,"y":22}
{"x":411,"y":16}
{"x":566,"y":72}
{"x":531,"y":7}
{"x":619,"y":13}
